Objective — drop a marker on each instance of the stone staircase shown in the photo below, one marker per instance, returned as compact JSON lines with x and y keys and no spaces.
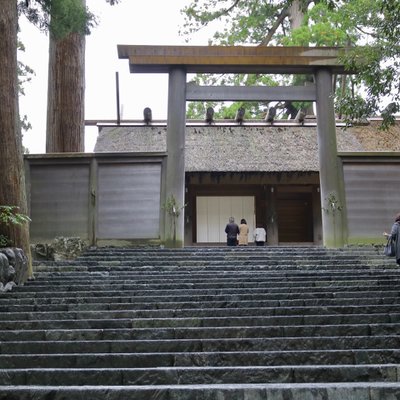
{"x":275,"y":323}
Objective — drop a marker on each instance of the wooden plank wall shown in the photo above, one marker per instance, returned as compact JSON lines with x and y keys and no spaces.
{"x":100,"y":198}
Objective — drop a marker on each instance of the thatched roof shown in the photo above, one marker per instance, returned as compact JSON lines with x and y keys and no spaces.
{"x":228,"y":147}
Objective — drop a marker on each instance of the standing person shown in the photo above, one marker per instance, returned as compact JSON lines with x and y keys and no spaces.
{"x":243,"y":233}
{"x":394,"y":235}
{"x":260,"y":235}
{"x":231,"y":230}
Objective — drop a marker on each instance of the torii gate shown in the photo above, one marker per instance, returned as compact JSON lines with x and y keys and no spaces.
{"x":178,"y":61}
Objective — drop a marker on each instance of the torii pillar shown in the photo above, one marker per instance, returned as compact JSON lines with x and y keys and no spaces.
{"x":333,"y":201}
{"x":175,"y":175}
{"x":180,"y":60}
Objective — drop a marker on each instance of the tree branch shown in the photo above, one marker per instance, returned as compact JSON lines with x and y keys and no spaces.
{"x":226,"y":10}
{"x":271,"y":31}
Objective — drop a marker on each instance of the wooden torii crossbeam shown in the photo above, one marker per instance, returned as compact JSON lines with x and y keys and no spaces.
{"x":178,"y":61}
{"x":232,"y":59}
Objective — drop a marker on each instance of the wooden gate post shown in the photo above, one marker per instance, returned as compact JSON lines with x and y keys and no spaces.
{"x":175,"y":177}
{"x":331,"y":171}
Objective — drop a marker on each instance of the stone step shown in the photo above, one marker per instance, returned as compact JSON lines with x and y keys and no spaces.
{"x":251,"y":320}
{"x":203,"y":358}
{"x":130,"y":303}
{"x":229,"y":252}
{"x":203,"y":313}
{"x":264,"y":281}
{"x":211,"y":287}
{"x":251,"y":251}
{"x":150,"y":298}
{"x":145,"y":292}
{"x":288,"y":268}
{"x":195,"y":277}
{"x":199,"y":375}
{"x":238,"y":253}
{"x":49,"y":279}
{"x":219,"y":294}
{"x":159,"y":266}
{"x":276,"y":298}
{"x":279,"y":331}
{"x":206,"y":345}
{"x":233,"y":257}
{"x":326,"y":391}
{"x":254,"y":259}
{"x":267,"y":285}
{"x":159,"y":263}
{"x":196,"y":323}
{"x":281,"y":249}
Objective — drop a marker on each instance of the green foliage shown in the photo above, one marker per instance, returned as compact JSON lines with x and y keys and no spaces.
{"x":172,"y":207}
{"x":242,"y":21}
{"x":197,"y":110}
{"x":321,"y":27}
{"x":254,"y":110}
{"x":371,"y":28}
{"x":4,"y":242}
{"x":9,"y":215}
{"x":59,"y":17}
{"x":25,"y":74}
{"x":333,"y":204}
{"x":352,"y":108}
{"x":378,"y":62}
{"x":68,"y":16}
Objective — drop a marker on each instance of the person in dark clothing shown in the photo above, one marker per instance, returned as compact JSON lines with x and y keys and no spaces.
{"x":395,"y":236}
{"x":231,"y":230}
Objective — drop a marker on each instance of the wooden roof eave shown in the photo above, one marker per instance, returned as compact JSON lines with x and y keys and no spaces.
{"x":232,"y":59}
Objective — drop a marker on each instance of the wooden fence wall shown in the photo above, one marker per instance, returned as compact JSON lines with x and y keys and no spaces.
{"x":372,"y":185}
{"x":101,"y":198}
{"x":116,"y":198}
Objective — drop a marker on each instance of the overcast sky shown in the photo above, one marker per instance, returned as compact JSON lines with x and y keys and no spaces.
{"x":151,"y":22}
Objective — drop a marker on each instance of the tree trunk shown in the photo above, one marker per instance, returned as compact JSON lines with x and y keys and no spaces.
{"x":12,"y":176}
{"x":66,"y":94}
{"x":296,"y":18}
{"x":296,"y":15}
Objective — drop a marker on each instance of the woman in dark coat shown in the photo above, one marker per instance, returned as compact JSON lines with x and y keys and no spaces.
{"x":395,"y":235}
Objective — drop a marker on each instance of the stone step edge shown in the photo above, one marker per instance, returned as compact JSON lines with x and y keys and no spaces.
{"x":200,"y":340}
{"x":363,"y":387}
{"x":387,"y":317}
{"x":96,"y":316}
{"x":118,"y":301}
{"x":335,"y":385}
{"x":172,"y":375}
{"x":190,"y":345}
{"x":198,"y":282}
{"x":168,"y":354}
{"x":208,"y":368}
{"x":44,"y":332}
{"x":222,"y":291}
{"x":197,"y":298}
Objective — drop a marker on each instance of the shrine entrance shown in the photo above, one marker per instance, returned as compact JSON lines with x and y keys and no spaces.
{"x":178,"y":61}
{"x":213,"y":212}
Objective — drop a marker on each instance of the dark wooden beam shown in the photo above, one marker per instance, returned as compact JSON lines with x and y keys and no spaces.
{"x":250,"y":93}
{"x":232,"y":59}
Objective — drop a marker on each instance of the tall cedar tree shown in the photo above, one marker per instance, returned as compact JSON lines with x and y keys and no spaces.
{"x":12,"y":177}
{"x":66,"y":94}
